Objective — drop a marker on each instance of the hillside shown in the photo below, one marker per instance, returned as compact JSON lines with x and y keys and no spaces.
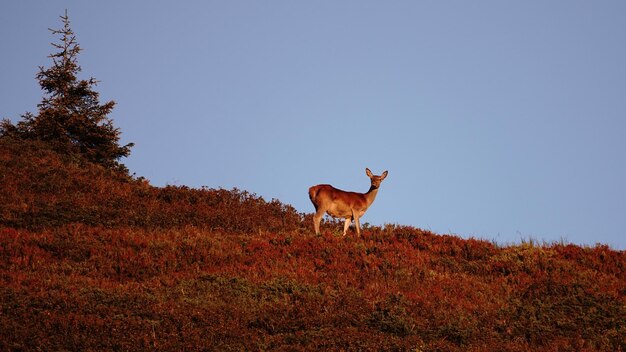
{"x":92,"y":260}
{"x":42,"y":189}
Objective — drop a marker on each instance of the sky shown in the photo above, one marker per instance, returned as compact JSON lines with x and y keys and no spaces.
{"x":498,"y":120}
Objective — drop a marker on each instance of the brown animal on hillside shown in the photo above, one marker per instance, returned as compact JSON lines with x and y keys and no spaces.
{"x":342,"y":204}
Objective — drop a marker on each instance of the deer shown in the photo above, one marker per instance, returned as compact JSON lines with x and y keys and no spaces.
{"x":342,"y":204}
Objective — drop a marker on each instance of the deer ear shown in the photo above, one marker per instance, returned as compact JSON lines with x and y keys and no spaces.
{"x":368,"y":172}
{"x":384,"y":175}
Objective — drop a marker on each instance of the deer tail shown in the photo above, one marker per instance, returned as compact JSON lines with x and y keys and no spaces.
{"x":313,"y":193}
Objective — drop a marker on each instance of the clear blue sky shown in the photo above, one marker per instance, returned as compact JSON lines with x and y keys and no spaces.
{"x":496,"y":119}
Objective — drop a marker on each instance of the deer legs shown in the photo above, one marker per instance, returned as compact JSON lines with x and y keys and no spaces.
{"x":346,"y":225}
{"x":356,"y":221}
{"x":317,"y":218}
{"x":354,"y":214}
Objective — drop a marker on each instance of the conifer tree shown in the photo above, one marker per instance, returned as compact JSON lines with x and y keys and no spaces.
{"x":70,"y":117}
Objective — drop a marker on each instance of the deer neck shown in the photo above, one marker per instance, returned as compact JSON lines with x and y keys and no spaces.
{"x":371,"y":195}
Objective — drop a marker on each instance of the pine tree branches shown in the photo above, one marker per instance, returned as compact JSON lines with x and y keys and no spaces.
{"x":70,"y":117}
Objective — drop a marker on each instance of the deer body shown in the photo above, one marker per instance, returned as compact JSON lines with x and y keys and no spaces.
{"x":342,"y":204}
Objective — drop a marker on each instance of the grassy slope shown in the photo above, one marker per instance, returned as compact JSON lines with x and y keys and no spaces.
{"x":90,"y":260}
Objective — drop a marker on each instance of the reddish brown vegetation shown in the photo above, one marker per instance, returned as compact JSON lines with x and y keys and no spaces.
{"x":90,"y":260}
{"x":42,"y":189}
